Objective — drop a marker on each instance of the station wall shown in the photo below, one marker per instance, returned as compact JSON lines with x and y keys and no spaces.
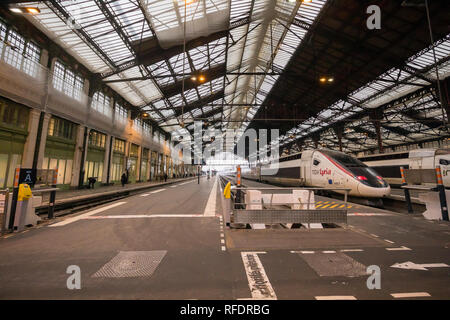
{"x":50,"y":117}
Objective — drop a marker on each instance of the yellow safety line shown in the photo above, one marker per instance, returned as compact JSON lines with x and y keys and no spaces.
{"x":326,"y":202}
{"x":319,"y":205}
{"x":349,"y":207}
{"x":343,"y":205}
{"x":319,"y":202}
{"x":326,"y":206}
{"x":334,"y":206}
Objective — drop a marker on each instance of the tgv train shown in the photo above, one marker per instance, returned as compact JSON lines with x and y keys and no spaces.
{"x":323,"y":168}
{"x":388,"y":164}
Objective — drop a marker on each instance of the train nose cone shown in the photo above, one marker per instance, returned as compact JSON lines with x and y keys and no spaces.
{"x":371,"y":192}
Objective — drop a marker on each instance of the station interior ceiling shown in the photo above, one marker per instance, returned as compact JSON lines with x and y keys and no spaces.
{"x":313,"y":69}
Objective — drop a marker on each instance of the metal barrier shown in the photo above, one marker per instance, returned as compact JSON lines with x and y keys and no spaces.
{"x":424,"y":180}
{"x":270,"y":212}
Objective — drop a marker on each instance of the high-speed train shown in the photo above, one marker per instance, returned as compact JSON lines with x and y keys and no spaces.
{"x":323,"y":168}
{"x":388,"y":164}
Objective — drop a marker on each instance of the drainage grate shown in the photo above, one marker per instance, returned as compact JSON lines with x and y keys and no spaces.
{"x":127,"y":264}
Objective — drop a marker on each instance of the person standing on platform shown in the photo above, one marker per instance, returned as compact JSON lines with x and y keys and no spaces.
{"x":123,"y":179}
{"x":165,"y":177}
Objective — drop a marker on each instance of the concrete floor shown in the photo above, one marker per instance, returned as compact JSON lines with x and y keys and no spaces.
{"x":197,"y":264}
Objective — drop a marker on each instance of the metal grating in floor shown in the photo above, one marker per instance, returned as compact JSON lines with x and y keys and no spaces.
{"x":334,"y":265}
{"x":128,"y":264}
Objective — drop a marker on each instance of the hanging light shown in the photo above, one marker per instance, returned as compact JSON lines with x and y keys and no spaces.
{"x":25,"y":10}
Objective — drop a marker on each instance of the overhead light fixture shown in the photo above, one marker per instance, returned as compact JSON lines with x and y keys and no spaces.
{"x":145,"y":115}
{"x":326,"y":79}
{"x":15,"y":10}
{"x":194,"y":78}
{"x":201,"y":78}
{"x":22,"y":10}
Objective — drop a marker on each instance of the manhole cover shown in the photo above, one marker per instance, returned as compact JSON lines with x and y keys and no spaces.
{"x":127,"y":264}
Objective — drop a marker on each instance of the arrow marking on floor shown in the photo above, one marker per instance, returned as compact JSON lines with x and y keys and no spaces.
{"x":414,"y":266}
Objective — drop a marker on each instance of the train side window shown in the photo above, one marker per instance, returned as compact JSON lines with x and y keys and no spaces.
{"x":443,"y":162}
{"x":316,"y":162}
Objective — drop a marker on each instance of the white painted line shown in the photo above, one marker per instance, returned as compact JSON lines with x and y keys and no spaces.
{"x":82,"y":216}
{"x":335,"y":298}
{"x":402,"y":248}
{"x":223,"y":248}
{"x":374,"y":235}
{"x":158,"y":191}
{"x":351,"y":250}
{"x":330,"y":251}
{"x":222,"y":235}
{"x":174,"y":186}
{"x":182,"y":184}
{"x":145,"y":194}
{"x":210,"y":209}
{"x":136,"y":216}
{"x":410,"y":295}
{"x":258,"y":281}
{"x":222,"y":241}
{"x":303,"y":252}
{"x":389,"y":241}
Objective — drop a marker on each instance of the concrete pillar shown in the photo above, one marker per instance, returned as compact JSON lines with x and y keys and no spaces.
{"x":107,"y":159}
{"x":149,"y":163}
{"x":79,"y":157}
{"x":111,"y":157}
{"x":127,"y":154}
{"x":44,"y":57}
{"x":138,"y":164}
{"x":43,"y":140}
{"x":30,"y":144}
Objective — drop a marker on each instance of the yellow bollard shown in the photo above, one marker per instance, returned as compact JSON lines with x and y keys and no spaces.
{"x":227,"y":191}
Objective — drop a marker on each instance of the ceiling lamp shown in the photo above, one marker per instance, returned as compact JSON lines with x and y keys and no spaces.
{"x":26,"y":10}
{"x":325,"y":79}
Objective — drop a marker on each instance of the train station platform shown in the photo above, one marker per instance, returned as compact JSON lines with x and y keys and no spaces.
{"x":171,"y":243}
{"x":80,"y":197}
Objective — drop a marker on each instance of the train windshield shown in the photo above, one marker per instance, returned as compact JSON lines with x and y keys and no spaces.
{"x":344,"y":159}
{"x":362,"y":172}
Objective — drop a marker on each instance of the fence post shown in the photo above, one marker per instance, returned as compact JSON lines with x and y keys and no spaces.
{"x":442,"y":196}
{"x":407,"y":195}
{"x":238,"y":185}
{"x":15,"y":194}
{"x":51,"y":203}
